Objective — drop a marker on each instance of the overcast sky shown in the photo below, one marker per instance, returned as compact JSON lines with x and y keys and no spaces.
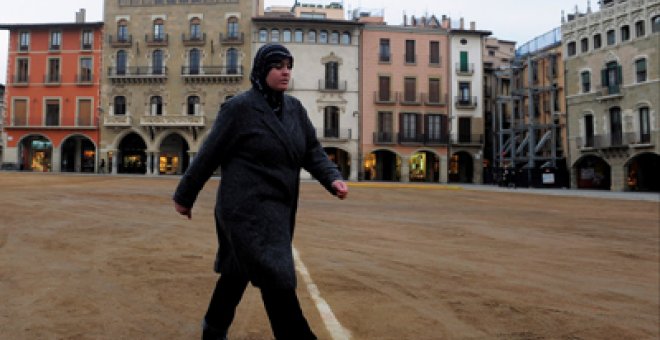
{"x":516,"y":20}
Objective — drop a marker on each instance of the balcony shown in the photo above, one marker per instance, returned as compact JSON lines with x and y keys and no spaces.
{"x":334,"y":135}
{"x":411,"y":139}
{"x":117,"y":121}
{"x":193,"y":39}
{"x":156,"y":40}
{"x":410,"y":99}
{"x":436,"y":139}
{"x":84,"y":79}
{"x":385,"y":98}
{"x":465,"y":102}
{"x":609,"y":141}
{"x":21,"y":80}
{"x":468,"y":139}
{"x":384,"y":58}
{"x":383,"y":138}
{"x":172,"y":121}
{"x":326,"y":85}
{"x":610,"y":92}
{"x":120,"y":41}
{"x":137,"y":74}
{"x":52,"y":80}
{"x":212,"y":74}
{"x":464,"y":69}
{"x":232,"y":38}
{"x":433,"y":100}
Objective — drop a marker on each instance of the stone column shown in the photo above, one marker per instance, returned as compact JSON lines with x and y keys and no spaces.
{"x":355,"y":166}
{"x":156,"y":163}
{"x":113,"y":154}
{"x":56,"y":160}
{"x":150,"y":158}
{"x":444,"y":174}
{"x":405,"y":169}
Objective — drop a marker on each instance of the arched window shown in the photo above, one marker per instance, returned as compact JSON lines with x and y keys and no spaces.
{"x":119,"y":106}
{"x":121,"y":62}
{"x":193,"y":105}
{"x":323,"y":37}
{"x":311,"y":36}
{"x":195,"y":29}
{"x":334,"y":37}
{"x":346,"y":38}
{"x":655,"y":23}
{"x":156,"y":105}
{"x":122,"y":31}
{"x":157,"y":62}
{"x":274,"y":35}
{"x":298,"y":36}
{"x":232,"y":28}
{"x":232,"y":61}
{"x":286,"y":35}
{"x":193,"y":61}
{"x":263,"y":35}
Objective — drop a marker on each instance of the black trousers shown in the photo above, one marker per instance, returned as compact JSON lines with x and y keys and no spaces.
{"x":282,"y":306}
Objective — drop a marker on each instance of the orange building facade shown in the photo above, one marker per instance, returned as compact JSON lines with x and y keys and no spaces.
{"x":404,"y":109}
{"x":52,"y":94}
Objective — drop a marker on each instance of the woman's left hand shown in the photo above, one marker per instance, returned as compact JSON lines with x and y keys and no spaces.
{"x":341,"y":189}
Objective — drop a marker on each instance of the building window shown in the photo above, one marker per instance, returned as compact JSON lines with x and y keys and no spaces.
{"x":119,"y":106}
{"x":331,"y":122}
{"x":311,"y":36}
{"x":24,"y":41}
{"x":195,"y":29}
{"x":410,"y":52}
{"x":194,"y":61}
{"x":323,"y":37}
{"x":53,"y":75}
{"x":410,"y":90}
{"x":644,"y":125}
{"x":625,"y":33}
{"x":122,"y":31}
{"x":334,"y":37}
{"x":434,"y":91}
{"x":232,"y":61}
{"x":263,"y":35}
{"x":612,"y":77}
{"x":22,"y":70}
{"x":464,"y":93}
{"x":410,"y":126}
{"x":232,"y":28}
{"x":332,"y":75}
{"x":384,"y":51}
{"x":589,"y":131}
{"x":84,"y":112}
{"x":121,"y":62}
{"x":346,"y":38}
{"x":655,"y":21}
{"x":639,"y":29}
{"x":640,"y":70}
{"x":616,"y":130}
{"x":298,"y":36}
{"x":464,"y":130}
{"x":193,"y":105}
{"x":159,"y":30}
{"x":157,"y":62}
{"x":20,"y":112}
{"x":584,"y":45}
{"x":87,"y":39}
{"x":55,"y":40}
{"x":597,"y":41}
{"x":384,"y":94}
{"x":52,"y":112}
{"x":434,"y":52}
{"x":586,"y":81}
{"x":571,"y":48}
{"x":274,"y":35}
{"x":286,"y":35}
{"x":385,"y":127}
{"x":611,"y":37}
{"x":464,"y":65}
{"x":85,"y":74}
{"x":156,"y":106}
{"x":434,"y":127}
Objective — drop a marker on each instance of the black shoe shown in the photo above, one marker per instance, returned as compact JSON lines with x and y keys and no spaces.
{"x":210,"y":333}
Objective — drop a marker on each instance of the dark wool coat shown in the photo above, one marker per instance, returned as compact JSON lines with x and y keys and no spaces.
{"x":260,"y":156}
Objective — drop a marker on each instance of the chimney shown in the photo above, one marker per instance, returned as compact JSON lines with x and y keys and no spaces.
{"x":405,"y":19}
{"x":80,"y":16}
{"x":445,"y":22}
{"x":473,"y":26}
{"x":462,"y":24}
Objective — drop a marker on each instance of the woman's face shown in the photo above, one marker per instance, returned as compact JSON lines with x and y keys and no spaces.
{"x":278,"y":77}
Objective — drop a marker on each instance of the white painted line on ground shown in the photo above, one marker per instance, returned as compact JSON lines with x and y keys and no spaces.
{"x":336,"y":330}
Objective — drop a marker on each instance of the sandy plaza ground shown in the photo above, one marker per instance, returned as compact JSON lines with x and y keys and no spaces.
{"x":106,"y":257}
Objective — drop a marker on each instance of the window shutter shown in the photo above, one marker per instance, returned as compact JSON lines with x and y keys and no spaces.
{"x":603,"y":77}
{"x":619,"y":75}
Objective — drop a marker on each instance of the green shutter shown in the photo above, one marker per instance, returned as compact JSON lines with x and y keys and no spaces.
{"x":464,"y":62}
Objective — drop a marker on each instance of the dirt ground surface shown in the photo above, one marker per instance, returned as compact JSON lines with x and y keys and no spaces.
{"x":106,"y":257}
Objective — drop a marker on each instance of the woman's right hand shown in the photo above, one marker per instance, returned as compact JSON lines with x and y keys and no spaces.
{"x":183,"y":210}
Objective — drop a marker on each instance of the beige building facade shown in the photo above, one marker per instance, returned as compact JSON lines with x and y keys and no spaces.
{"x":612,"y":86}
{"x":168,"y":66}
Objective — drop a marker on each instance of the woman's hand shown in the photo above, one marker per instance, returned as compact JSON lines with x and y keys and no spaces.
{"x":341,"y":189}
{"x":183,"y":210}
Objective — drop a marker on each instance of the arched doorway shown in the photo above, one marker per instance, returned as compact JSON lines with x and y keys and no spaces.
{"x":382,"y":165}
{"x":424,"y":167}
{"x":341,"y":158}
{"x":643,"y":170}
{"x":174,"y":157}
{"x":592,"y":172}
{"x":36,"y":153}
{"x":132,"y":156}
{"x":461,"y":168}
{"x":78,"y":154}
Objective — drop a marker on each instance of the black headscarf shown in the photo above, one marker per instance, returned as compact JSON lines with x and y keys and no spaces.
{"x":267,"y":57}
